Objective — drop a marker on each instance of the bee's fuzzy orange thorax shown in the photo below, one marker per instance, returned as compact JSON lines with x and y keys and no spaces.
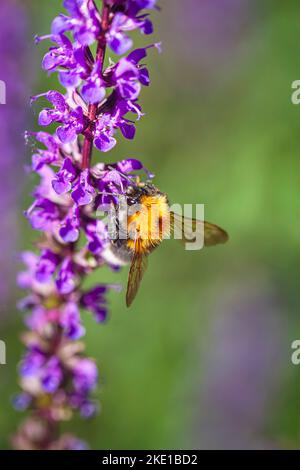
{"x":150,"y":224}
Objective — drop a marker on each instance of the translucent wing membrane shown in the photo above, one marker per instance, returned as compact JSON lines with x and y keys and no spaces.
{"x":138,"y":267}
{"x":186,"y":229}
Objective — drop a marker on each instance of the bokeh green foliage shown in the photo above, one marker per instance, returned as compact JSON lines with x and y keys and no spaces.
{"x":232,"y":144}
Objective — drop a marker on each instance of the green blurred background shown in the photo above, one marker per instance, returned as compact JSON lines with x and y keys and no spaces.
{"x":202,"y":359}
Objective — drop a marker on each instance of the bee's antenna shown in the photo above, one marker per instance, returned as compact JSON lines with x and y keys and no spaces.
{"x":104,"y":193}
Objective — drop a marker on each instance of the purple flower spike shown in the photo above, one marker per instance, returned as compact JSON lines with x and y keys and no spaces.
{"x":99,"y":105}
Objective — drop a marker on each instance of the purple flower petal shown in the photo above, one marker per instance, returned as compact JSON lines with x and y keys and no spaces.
{"x":128,"y":130}
{"x":71,"y":322}
{"x":92,"y":93}
{"x":66,"y":278}
{"x":83,"y":192}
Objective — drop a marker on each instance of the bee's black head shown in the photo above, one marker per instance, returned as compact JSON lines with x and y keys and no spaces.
{"x":134,"y":193}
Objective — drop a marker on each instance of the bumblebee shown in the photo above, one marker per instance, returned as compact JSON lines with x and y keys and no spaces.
{"x":146,"y":226}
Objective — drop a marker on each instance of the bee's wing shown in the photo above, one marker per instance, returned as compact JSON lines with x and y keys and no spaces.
{"x":213,"y":235}
{"x":137,"y":269}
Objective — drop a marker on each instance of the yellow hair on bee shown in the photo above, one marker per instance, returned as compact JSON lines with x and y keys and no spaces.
{"x":150,"y":224}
